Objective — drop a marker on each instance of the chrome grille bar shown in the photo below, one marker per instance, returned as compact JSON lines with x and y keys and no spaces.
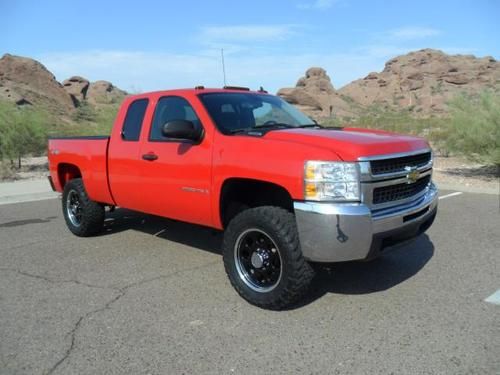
{"x":370,"y":182}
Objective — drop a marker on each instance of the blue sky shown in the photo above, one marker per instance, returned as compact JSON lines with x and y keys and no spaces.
{"x":149,"y":45}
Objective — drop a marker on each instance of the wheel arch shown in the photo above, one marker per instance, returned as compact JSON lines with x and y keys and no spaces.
{"x":66,"y":172}
{"x":237,"y":194}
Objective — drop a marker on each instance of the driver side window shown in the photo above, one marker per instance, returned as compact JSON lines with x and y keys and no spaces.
{"x":168,"y":109}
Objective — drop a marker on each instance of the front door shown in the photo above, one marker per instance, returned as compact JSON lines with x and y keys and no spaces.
{"x":176,"y":174}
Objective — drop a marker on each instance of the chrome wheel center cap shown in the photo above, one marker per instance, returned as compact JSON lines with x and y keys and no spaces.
{"x":257,"y":260}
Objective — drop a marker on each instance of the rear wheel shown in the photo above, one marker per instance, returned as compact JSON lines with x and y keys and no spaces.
{"x":83,"y":216}
{"x":263,"y":260}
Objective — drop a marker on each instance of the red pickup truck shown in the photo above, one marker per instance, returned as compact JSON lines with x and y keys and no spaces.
{"x":286,"y":191}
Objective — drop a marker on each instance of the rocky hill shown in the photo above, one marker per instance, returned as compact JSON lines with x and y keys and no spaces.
{"x":421,"y":82}
{"x":315,"y":95}
{"x":25,"y":81}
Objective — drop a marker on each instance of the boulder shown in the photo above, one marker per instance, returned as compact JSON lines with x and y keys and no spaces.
{"x":300,"y":97}
{"x":456,"y":78}
{"x":77,"y":88}
{"x":103,"y":92}
{"x":372,"y":75}
{"x":315,"y":95}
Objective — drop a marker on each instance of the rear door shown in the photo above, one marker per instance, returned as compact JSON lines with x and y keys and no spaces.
{"x":124,"y":158}
{"x":175,"y":173}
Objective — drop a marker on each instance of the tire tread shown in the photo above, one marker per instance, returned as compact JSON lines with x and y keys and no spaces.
{"x":300,"y":272}
{"x":92,"y":212}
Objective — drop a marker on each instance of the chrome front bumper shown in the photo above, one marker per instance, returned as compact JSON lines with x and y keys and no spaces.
{"x":337,"y":232}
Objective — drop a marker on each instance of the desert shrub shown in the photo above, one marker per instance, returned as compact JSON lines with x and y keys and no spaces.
{"x":6,"y":171}
{"x":391,"y":120}
{"x":474,"y":128}
{"x":22,"y":132}
{"x":103,"y":117}
{"x":84,"y":113}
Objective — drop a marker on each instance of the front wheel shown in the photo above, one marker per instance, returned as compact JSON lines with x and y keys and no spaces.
{"x":263,"y":259}
{"x":83,"y":216}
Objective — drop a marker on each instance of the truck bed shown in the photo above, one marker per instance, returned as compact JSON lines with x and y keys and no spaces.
{"x":82,"y":137}
{"x":81,"y":156}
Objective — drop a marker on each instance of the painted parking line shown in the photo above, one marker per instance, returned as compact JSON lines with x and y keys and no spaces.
{"x":451,"y":195}
{"x":494,"y":298}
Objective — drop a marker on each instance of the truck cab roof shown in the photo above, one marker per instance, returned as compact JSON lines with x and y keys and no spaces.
{"x":197,"y":90}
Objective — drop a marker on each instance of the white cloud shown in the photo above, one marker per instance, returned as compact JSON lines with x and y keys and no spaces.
{"x":317,"y":4}
{"x":147,"y":71}
{"x":412,"y":33}
{"x":253,"y":67}
{"x":134,"y":70}
{"x":246,"y":33}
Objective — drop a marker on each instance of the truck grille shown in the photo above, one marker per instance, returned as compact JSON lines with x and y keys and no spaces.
{"x":397,"y":192}
{"x":396,"y":165}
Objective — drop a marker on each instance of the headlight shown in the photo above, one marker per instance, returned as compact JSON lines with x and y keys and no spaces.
{"x":337,"y":181}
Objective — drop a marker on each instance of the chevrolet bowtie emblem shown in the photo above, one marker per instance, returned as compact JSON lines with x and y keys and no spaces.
{"x":413,"y":175}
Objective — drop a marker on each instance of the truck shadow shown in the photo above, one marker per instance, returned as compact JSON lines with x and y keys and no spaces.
{"x":355,"y":278}
{"x":197,"y":236}
{"x":385,"y":272}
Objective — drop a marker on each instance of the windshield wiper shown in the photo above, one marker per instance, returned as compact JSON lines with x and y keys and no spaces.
{"x":276,"y":126}
{"x":311,"y":126}
{"x":273,"y":125}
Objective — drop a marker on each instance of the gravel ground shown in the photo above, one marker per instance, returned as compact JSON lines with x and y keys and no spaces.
{"x":466,"y":176}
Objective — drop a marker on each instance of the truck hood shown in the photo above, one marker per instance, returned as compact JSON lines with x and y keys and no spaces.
{"x":351,"y":143}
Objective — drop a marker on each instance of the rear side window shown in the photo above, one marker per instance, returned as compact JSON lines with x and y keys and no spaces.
{"x":133,"y":120}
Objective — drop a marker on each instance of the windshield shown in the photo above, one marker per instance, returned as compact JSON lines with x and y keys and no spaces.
{"x":234,"y":112}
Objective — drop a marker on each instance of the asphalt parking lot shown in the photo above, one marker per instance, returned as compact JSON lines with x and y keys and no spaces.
{"x":150,"y":296}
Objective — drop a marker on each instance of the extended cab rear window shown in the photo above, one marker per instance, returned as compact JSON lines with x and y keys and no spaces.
{"x":132,"y":125}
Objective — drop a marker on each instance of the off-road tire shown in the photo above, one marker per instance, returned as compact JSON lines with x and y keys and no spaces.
{"x":92,"y":213}
{"x":296,"y":273}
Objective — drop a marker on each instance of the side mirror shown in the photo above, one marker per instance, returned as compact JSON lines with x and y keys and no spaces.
{"x":182,"y":129}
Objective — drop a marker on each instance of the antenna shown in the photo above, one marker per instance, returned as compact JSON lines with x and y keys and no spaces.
{"x":223,"y":65}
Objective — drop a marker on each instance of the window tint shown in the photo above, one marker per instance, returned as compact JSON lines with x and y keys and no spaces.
{"x":169,"y":109}
{"x":133,"y":120}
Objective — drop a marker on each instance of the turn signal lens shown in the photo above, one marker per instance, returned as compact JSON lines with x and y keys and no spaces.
{"x":311,"y":190}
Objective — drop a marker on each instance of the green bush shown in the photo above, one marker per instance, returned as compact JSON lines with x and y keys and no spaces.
{"x":84,"y":113}
{"x":23,"y":131}
{"x":102,"y":116}
{"x":6,"y":171}
{"x":474,"y":129}
{"x":394,"y":121}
